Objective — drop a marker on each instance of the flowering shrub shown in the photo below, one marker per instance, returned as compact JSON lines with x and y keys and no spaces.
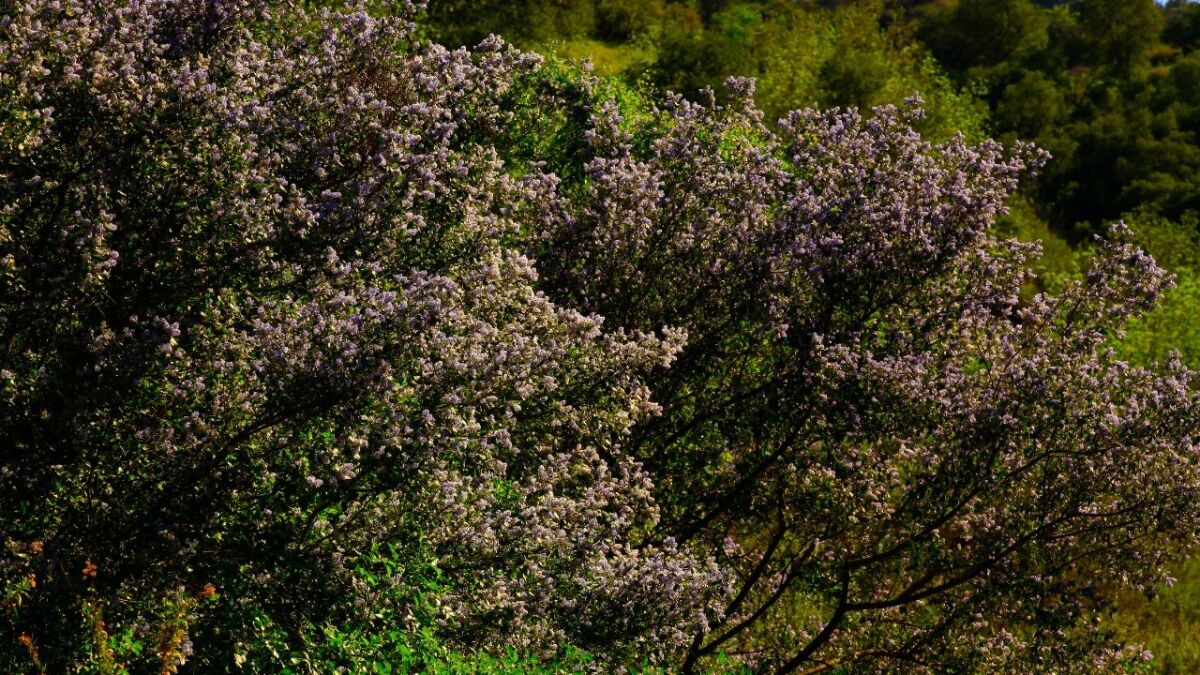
{"x":900,"y":459}
{"x":262,"y":307}
{"x":320,"y":343}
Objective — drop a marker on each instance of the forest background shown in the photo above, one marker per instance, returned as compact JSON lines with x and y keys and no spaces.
{"x":1111,"y":88}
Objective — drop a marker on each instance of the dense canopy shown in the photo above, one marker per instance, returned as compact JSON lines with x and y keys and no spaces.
{"x":322,"y":345}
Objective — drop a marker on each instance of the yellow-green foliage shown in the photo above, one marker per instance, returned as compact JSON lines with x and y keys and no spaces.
{"x":1167,"y":622}
{"x":1174,"y":326}
{"x":1058,"y":261}
{"x":845,"y":58}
